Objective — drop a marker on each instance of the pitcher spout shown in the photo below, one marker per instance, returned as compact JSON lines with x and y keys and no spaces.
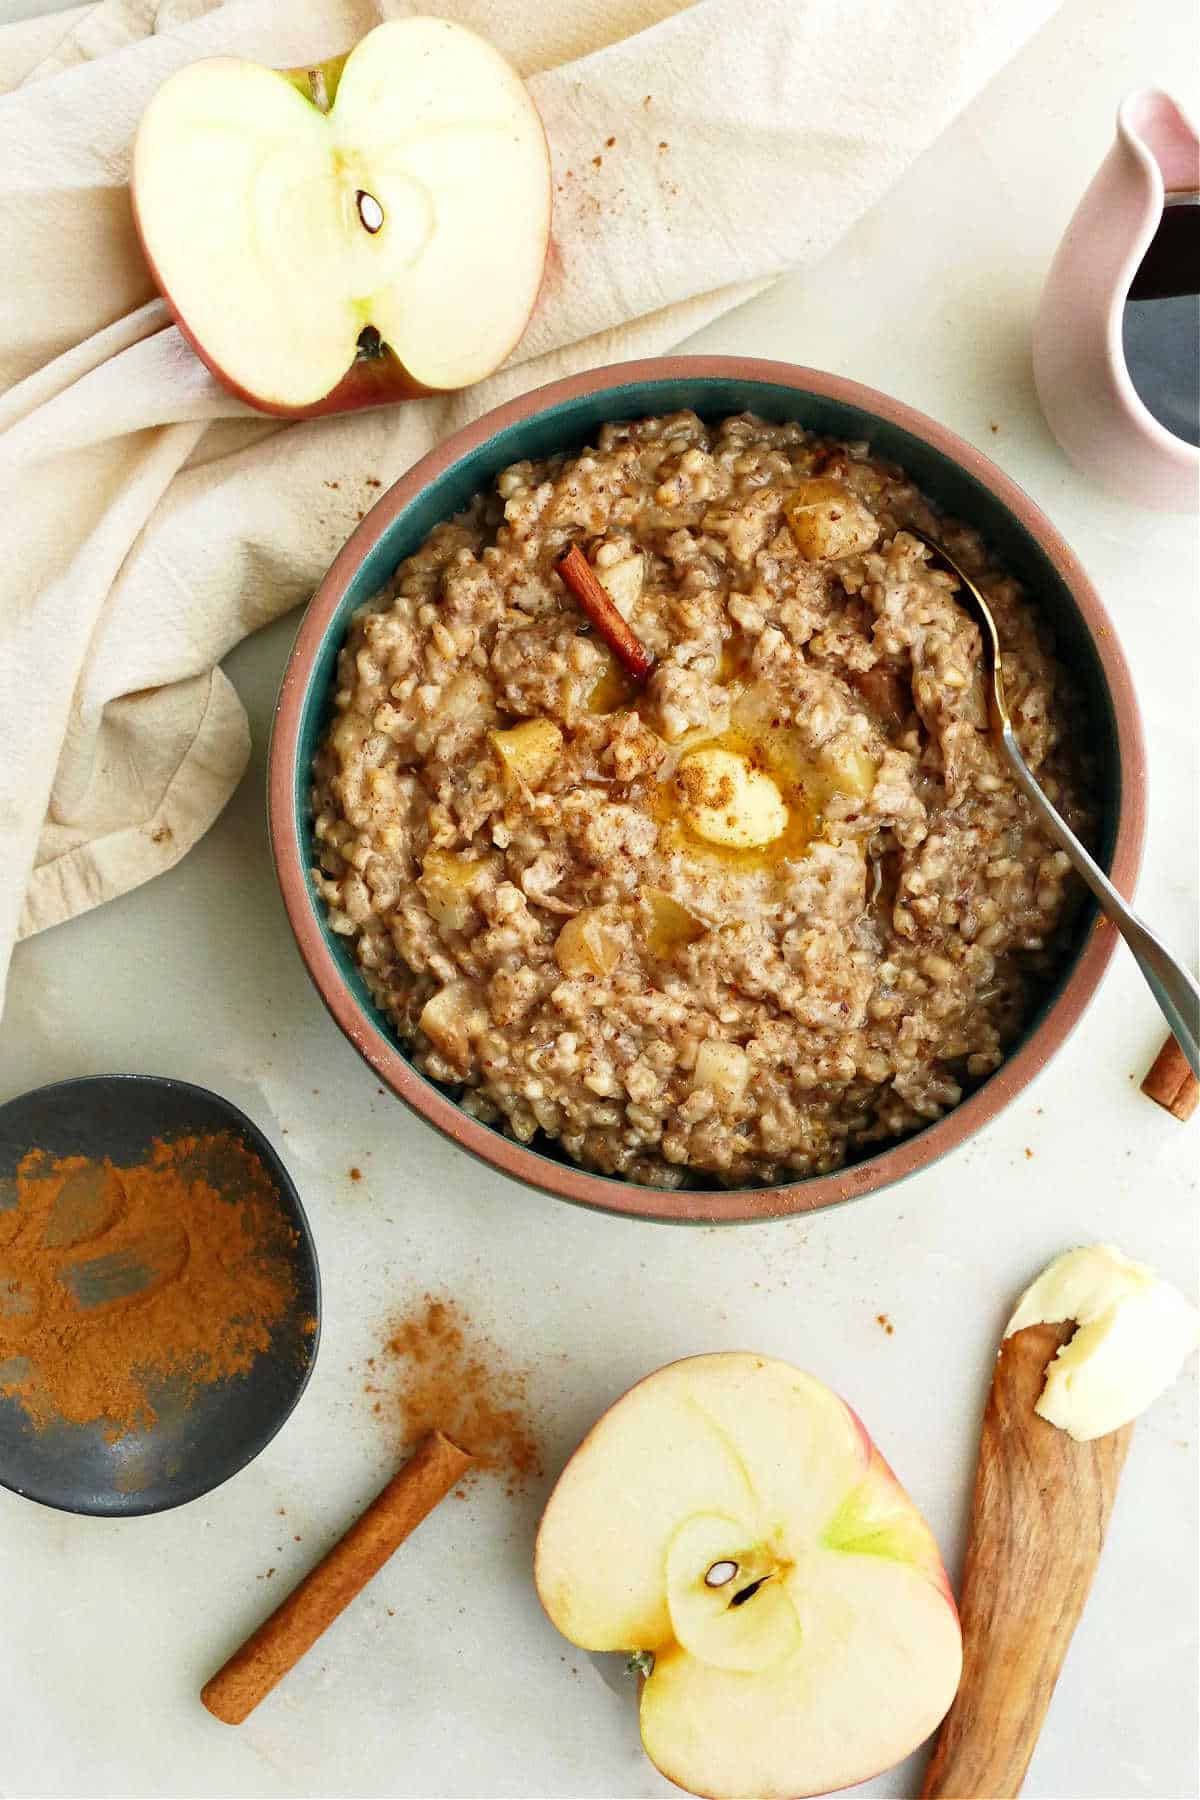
{"x":1083,"y":380}
{"x":1158,"y":131}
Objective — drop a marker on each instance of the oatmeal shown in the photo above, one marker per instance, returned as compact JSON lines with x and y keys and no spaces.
{"x":742,"y":920}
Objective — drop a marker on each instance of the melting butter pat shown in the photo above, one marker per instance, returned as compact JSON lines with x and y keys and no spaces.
{"x":1134,"y":1334}
{"x":727,"y":802}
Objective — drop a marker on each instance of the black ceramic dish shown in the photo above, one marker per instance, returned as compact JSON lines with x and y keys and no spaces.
{"x":194,"y":1447}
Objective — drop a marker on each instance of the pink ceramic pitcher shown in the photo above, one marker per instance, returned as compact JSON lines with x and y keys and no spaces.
{"x":1079,"y":364}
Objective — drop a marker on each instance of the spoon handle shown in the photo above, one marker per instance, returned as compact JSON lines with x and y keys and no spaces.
{"x":1173,"y":987}
{"x":1041,"y":1509}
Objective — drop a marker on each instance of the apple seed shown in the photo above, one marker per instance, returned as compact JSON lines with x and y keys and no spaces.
{"x":748,"y":1593}
{"x":720,"y":1573}
{"x":369,"y":211}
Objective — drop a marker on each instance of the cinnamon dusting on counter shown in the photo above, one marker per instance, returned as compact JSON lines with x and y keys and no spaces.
{"x":436,"y":1368}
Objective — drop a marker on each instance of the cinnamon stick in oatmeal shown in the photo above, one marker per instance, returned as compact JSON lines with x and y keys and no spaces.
{"x":585,"y":585}
{"x":294,"y":1627}
{"x":1171,"y":1084}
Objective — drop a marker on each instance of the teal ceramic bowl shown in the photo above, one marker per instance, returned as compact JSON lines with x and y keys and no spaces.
{"x":563,"y":417}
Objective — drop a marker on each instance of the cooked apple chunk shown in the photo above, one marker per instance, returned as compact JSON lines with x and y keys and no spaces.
{"x":447,"y":880}
{"x":668,"y":925}
{"x":528,"y":751}
{"x":623,"y":581}
{"x":724,"y":1068}
{"x":827,"y":521}
{"x":854,"y":771}
{"x":588,"y":944}
{"x":614,"y":690}
{"x":450,"y":1019}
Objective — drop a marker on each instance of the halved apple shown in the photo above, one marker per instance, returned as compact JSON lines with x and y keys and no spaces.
{"x":347,"y":235}
{"x":731,"y":1516}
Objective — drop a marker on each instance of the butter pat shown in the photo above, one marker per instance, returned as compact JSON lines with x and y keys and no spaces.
{"x":1134,"y":1334}
{"x":727,"y":802}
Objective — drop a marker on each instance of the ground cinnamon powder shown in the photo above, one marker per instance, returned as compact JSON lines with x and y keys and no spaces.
{"x":115,"y":1281}
{"x":437,"y":1370}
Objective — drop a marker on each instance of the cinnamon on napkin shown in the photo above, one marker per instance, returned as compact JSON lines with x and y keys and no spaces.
{"x":151,"y":521}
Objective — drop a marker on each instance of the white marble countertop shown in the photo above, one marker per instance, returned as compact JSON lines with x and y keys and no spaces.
{"x":444,"y":1679}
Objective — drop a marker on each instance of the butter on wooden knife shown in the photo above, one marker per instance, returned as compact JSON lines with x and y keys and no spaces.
{"x":1093,"y":1341}
{"x":1133,"y":1335}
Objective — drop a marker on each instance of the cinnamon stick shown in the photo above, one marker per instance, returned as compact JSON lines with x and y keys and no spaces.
{"x":1170,"y":1082}
{"x":579,"y":576}
{"x":294,"y":1627}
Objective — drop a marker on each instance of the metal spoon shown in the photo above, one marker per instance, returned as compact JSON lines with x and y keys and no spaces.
{"x":1172,"y":986}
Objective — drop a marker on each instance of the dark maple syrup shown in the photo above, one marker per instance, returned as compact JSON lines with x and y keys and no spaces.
{"x":1161,"y":323}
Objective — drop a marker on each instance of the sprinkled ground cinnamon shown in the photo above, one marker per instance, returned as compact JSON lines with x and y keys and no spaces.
{"x":115,"y":1281}
{"x":436,"y":1369}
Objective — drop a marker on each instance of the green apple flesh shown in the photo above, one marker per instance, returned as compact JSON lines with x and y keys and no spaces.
{"x":731,"y":1515}
{"x":398,"y":197}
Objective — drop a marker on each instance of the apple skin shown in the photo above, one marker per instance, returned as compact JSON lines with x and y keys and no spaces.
{"x":921,"y":1553}
{"x":379,"y":380}
{"x":370,"y":381}
{"x":934,"y":1567}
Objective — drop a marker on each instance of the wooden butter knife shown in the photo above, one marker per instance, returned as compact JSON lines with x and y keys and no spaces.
{"x":1041,"y":1509}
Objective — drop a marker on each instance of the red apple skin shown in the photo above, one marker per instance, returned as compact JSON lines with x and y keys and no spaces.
{"x":379,"y":380}
{"x":369,"y":381}
{"x":872,"y":1454}
{"x":941,"y":1579}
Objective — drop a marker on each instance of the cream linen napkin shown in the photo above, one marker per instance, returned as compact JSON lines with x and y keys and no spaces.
{"x":150,"y":521}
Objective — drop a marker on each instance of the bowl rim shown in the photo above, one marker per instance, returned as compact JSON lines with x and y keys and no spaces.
{"x":612,"y":1194}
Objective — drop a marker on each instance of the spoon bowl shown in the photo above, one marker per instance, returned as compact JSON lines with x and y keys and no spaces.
{"x":203,"y":1435}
